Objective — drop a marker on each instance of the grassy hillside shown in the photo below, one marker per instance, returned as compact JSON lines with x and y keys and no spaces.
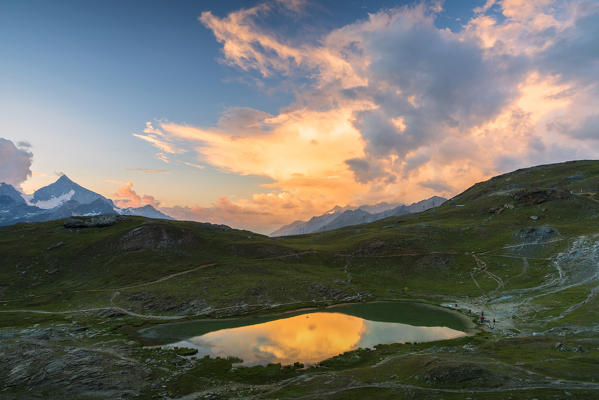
{"x":523,"y":247}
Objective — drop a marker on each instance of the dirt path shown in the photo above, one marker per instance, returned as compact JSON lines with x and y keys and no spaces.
{"x":164,"y":278}
{"x":450,"y":252}
{"x":512,"y":246}
{"x":570,"y":309}
{"x":481,"y":266}
{"x":393,"y":385}
{"x":116,"y":292}
{"x":287,"y":255}
{"x":96,"y":309}
{"x":578,"y":265}
{"x":588,"y":196}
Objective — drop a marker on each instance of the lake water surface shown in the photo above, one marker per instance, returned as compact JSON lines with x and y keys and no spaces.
{"x":312,"y":336}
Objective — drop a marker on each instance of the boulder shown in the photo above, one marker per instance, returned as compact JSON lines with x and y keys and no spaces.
{"x":97,"y":221}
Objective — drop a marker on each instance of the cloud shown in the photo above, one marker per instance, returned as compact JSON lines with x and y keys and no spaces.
{"x":194,"y":165}
{"x":394,"y":108}
{"x":157,"y":142}
{"x":162,"y":157}
{"x":15,"y":163}
{"x":148,"y":170}
{"x":437,"y":185}
{"x":261,"y":213}
{"x":126,"y":197}
{"x":365,"y":170}
{"x":588,"y":129}
{"x":293,"y":5}
{"x":250,"y":47}
{"x":288,"y":144}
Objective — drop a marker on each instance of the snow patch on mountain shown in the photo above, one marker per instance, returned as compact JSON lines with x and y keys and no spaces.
{"x":61,"y":199}
{"x":53,"y":202}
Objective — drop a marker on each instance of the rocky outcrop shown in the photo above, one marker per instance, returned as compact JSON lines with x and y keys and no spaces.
{"x":539,"y":234}
{"x":97,"y":221}
{"x":48,"y":363}
{"x":154,"y":236}
{"x":531,"y":197}
{"x":442,"y":373}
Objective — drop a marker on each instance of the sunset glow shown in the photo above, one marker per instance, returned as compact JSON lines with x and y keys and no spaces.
{"x":231,"y":118}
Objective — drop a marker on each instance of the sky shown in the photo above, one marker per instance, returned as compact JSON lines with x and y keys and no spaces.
{"x":259,"y":113}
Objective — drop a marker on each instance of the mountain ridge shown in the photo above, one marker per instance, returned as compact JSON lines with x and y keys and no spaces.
{"x":61,"y":199}
{"x":339,"y":217}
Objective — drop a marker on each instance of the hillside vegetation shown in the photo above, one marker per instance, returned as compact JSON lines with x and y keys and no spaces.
{"x":522,"y":247}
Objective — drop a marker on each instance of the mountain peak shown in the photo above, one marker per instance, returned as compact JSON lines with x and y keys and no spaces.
{"x":63,"y":190}
{"x":64,"y":179}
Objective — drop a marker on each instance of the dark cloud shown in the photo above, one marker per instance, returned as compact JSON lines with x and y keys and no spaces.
{"x":365,"y":170}
{"x":15,"y":163}
{"x":415,"y":161}
{"x":438,"y":186}
{"x":439,"y":84}
{"x":587,"y":129}
{"x":574,"y":55}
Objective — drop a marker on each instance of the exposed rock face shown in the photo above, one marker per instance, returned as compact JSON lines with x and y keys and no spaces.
{"x":531,"y":197}
{"x":536,"y":235}
{"x":441,"y":372}
{"x":320,"y":291}
{"x":11,"y":193}
{"x":97,"y":221}
{"x":49,"y":363}
{"x":154,"y":236}
{"x":149,"y":302}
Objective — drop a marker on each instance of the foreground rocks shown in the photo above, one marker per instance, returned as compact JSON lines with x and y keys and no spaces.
{"x":55,"y":363}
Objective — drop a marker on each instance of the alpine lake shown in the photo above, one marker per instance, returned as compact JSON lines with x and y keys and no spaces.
{"x":311,"y":336}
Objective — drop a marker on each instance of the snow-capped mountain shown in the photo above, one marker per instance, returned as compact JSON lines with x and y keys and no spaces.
{"x":318,"y":223}
{"x":61,"y":191}
{"x":61,"y":199}
{"x":339,"y":217}
{"x":10,"y":193}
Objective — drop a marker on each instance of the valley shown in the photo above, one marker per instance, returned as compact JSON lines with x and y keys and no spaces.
{"x":522,"y":248}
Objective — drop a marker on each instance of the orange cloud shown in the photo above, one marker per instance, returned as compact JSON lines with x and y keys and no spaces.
{"x":127,"y":197}
{"x":248,"y":46}
{"x":396,"y":109}
{"x":148,"y":170}
{"x":160,"y":144}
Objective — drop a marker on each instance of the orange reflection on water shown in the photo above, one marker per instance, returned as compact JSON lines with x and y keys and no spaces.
{"x":309,"y":338}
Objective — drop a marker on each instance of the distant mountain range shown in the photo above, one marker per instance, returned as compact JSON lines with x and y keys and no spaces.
{"x":61,"y":199}
{"x":339,"y":217}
